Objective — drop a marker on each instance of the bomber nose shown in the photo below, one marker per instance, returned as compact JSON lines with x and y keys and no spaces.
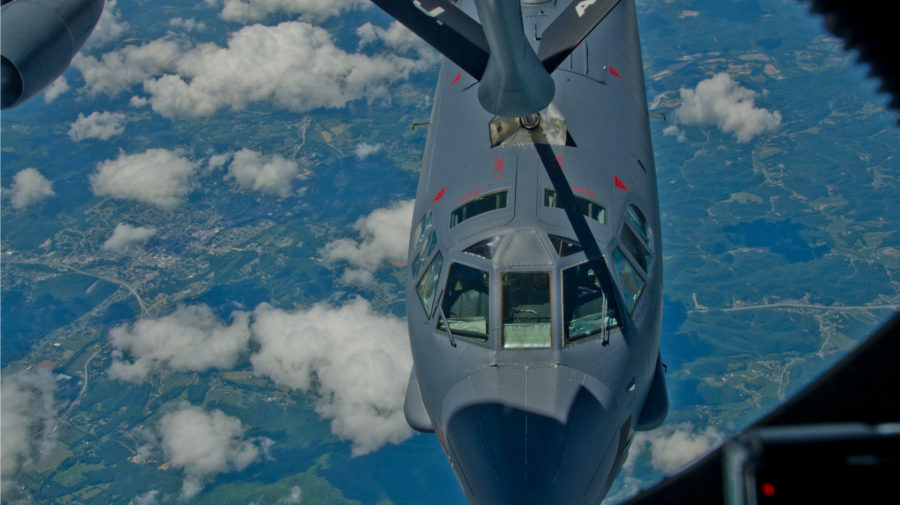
{"x":547,"y":439}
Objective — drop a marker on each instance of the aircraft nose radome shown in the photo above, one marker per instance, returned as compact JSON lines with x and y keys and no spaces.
{"x":546,"y":440}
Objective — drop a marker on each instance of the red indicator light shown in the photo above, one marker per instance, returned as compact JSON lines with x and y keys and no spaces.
{"x":456,"y":79}
{"x":768,"y":489}
{"x":621,"y":185}
{"x":438,"y":196}
{"x":613,"y":72}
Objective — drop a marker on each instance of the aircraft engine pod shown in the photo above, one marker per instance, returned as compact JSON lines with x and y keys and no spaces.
{"x":39,"y":39}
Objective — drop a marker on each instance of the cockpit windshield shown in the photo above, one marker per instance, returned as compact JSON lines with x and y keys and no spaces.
{"x":588,"y":305}
{"x":526,"y":310}
{"x":466,"y":302}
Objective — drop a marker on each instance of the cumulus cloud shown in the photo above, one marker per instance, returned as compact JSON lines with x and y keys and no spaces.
{"x":204,"y":444}
{"x":383,"y":235}
{"x":98,"y":125}
{"x":364,"y":150}
{"x":148,"y":498}
{"x":190,"y":339}
{"x":217,"y":161}
{"x":721,"y":101}
{"x":110,"y":26}
{"x":189,"y":24}
{"x":59,"y":86}
{"x":673,"y":447}
{"x":294,"y":497}
{"x":269,"y":174}
{"x":125,"y":237}
{"x":397,"y":38}
{"x":243,"y":11}
{"x":27,"y":416}
{"x":675,"y":131}
{"x":355,"y":361}
{"x":29,"y":187}
{"x":157,"y":176}
{"x":301,"y":70}
{"x":119,"y":70}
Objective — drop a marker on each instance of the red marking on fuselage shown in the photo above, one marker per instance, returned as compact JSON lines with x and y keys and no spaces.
{"x":619,"y":184}
{"x":438,"y":196}
{"x":498,"y":167}
{"x":456,"y":79}
{"x":559,"y":161}
{"x":470,"y":195}
{"x":583,"y":191}
{"x":613,"y":72}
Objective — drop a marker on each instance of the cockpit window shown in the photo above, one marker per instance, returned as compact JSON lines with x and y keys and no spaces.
{"x":588,"y":208}
{"x":466,"y":302}
{"x":424,"y":226}
{"x":478,"y":206}
{"x":423,"y":244}
{"x":636,"y":218}
{"x":565,"y":247}
{"x":589,"y":307}
{"x":427,"y":285}
{"x":630,"y":280}
{"x":637,"y":249}
{"x":526,"y":310}
{"x":484,"y":248}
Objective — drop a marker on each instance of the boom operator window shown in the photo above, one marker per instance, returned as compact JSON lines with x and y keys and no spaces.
{"x":466,"y":302}
{"x":487,"y":203}
{"x":589,"y":307}
{"x":526,"y":310}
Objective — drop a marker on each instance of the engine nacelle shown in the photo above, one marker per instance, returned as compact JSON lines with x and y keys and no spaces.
{"x":39,"y":39}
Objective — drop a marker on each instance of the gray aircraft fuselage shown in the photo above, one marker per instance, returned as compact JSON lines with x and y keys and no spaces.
{"x":535,"y":277}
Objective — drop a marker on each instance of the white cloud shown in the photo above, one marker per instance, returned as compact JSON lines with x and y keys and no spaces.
{"x":302,"y":70}
{"x":121,"y":69}
{"x":109,"y":28}
{"x":294,"y":497}
{"x":29,"y":187}
{"x":256,"y":10}
{"x":99,"y":125}
{"x":364,"y":150}
{"x":189,"y":339}
{"x":218,"y":161}
{"x":269,"y":174}
{"x":29,"y":412}
{"x":125,"y":237}
{"x":358,"y":277}
{"x":384,"y":235}
{"x":205,"y":444}
{"x":59,"y":86}
{"x":675,"y":131}
{"x":189,"y":24}
{"x":721,"y":101}
{"x":157,"y":176}
{"x":396,"y":37}
{"x":354,"y":360}
{"x":148,"y":498}
{"x":675,"y":446}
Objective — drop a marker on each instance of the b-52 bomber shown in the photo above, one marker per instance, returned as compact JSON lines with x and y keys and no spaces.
{"x":535,"y":276}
